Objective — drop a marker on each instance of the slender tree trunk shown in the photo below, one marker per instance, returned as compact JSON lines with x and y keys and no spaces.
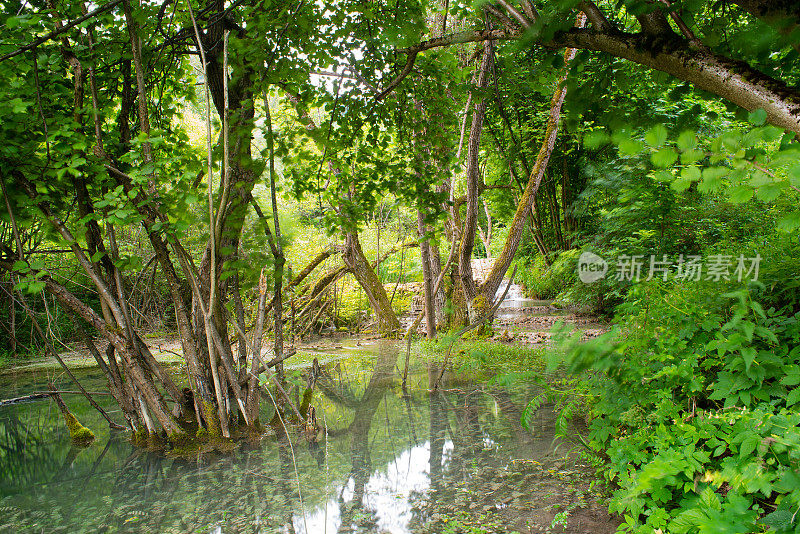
{"x":439,"y":297}
{"x":427,"y":277}
{"x":277,"y":251}
{"x":500,"y":267}
{"x":13,"y":319}
{"x":538,"y":237}
{"x":486,"y":237}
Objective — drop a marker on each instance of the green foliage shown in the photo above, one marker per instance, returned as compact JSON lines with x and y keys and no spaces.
{"x":697,"y":410}
{"x":570,"y":396}
{"x":547,"y":282}
{"x":509,"y":363}
{"x":741,"y":162}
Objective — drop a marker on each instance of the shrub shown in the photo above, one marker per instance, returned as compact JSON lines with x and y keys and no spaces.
{"x":697,"y":410}
{"x":546,"y":282}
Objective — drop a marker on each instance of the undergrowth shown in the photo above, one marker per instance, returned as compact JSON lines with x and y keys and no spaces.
{"x":696,"y":411}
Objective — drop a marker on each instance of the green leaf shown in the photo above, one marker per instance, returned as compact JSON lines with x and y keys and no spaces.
{"x":664,"y":157}
{"x":759,"y":178}
{"x":770,"y":192}
{"x":766,"y":333}
{"x":748,"y":327}
{"x":748,"y":355}
{"x":656,"y":136}
{"x":740,"y":194}
{"x":731,"y":140}
{"x":687,"y":140}
{"x":664,"y":177}
{"x":793,"y":397}
{"x":226,"y":274}
{"x":19,"y":106}
{"x":681,"y":184}
{"x":794,"y":175}
{"x":712,"y":179}
{"x":629,"y":147}
{"x":792,"y":375}
{"x":789,"y":222}
{"x":687,"y":521}
{"x":36,"y":287}
{"x":691,"y":173}
{"x":714,"y":173}
{"x":779,"y":520}
{"x":749,"y":444}
{"x":757,"y":117}
{"x":691,"y":156}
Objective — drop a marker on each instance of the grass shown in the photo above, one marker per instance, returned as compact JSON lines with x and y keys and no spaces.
{"x":7,"y":359}
{"x":490,"y":356}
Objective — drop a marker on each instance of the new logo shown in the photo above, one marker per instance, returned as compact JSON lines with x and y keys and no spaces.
{"x":591,"y":267}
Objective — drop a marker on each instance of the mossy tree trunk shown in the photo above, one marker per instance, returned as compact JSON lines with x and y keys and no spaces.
{"x":363,"y":272}
{"x":78,"y":434}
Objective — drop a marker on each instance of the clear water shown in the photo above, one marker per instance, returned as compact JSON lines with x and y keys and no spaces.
{"x":389,"y":464}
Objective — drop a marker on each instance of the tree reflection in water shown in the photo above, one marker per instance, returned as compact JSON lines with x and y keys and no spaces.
{"x":391,"y":463}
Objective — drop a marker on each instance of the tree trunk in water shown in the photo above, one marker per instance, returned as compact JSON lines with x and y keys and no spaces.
{"x":379,"y":301}
{"x":79,"y":434}
{"x":427,"y":277}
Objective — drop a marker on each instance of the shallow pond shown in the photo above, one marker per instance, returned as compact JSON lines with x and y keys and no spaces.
{"x":452,"y":461}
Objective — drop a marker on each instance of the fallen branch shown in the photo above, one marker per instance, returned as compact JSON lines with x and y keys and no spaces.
{"x":45,"y":394}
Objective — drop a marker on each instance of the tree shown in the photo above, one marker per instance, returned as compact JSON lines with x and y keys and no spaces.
{"x":678,"y":52}
{"x":145,"y":173}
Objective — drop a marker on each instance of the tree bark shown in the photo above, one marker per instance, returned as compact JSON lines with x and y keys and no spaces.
{"x":150,"y":394}
{"x":733,"y":80}
{"x":427,"y":277}
{"x":473,"y":171}
{"x":500,"y":267}
{"x":379,"y":301}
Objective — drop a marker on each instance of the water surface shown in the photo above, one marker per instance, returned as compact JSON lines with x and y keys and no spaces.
{"x":390,"y":463}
